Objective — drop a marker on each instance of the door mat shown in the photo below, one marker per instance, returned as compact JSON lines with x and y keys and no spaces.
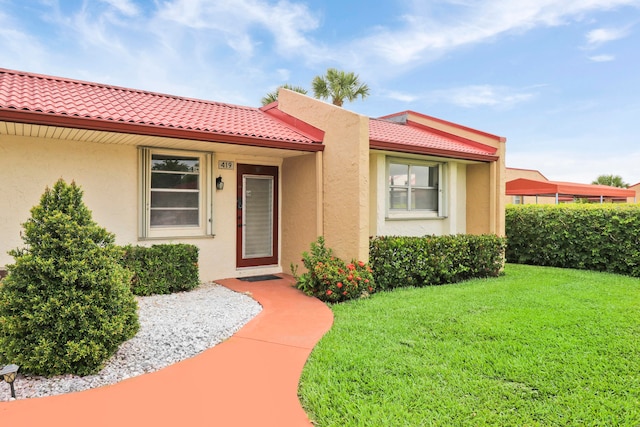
{"x":259,"y":278}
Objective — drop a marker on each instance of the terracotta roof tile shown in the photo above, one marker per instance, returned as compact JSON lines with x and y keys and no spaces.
{"x":423,"y":140}
{"x":60,"y":98}
{"x":66,"y":97}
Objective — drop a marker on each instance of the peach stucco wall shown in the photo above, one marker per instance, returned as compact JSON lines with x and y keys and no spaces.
{"x":108,"y":175}
{"x":345,"y":169}
{"x":299,"y":208}
{"x":478,"y":198}
{"x":636,"y":188}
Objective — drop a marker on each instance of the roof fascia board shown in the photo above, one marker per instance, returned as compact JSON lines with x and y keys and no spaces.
{"x":411,"y":149}
{"x":39,"y":118}
{"x":409,"y":113}
{"x":302,"y":127}
{"x":461,"y":139}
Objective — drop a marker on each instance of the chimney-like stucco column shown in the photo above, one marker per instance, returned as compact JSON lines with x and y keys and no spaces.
{"x":345,"y":174}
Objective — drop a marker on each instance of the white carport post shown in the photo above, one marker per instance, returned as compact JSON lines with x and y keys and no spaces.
{"x":557,"y":198}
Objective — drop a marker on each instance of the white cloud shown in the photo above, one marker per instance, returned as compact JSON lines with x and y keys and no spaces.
{"x":424,"y":34}
{"x":125,"y":7}
{"x":287,"y":22}
{"x":401,"y":96}
{"x":600,"y":36}
{"x":482,"y":96}
{"x":16,"y":42}
{"x":283,"y":74}
{"x":602,"y":58}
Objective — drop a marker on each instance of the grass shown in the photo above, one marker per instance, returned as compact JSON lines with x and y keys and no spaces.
{"x":536,"y":347}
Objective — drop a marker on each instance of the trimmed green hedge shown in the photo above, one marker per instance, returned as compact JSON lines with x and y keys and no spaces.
{"x":162,"y":269}
{"x":591,"y":237}
{"x":434,"y":260}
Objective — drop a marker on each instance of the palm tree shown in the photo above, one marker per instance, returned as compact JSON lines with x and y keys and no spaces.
{"x":339,"y":85}
{"x":273,"y":96}
{"x":611,"y":180}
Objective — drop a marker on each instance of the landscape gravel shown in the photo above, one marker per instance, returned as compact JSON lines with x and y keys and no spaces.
{"x":172,"y":328}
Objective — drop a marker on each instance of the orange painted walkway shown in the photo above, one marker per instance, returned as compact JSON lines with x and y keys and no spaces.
{"x":249,"y":380}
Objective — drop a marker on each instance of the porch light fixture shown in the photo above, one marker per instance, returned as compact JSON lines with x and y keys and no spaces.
{"x":219,"y":183}
{"x":8,"y":374}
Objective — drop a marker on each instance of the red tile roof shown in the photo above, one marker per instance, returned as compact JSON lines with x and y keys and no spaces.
{"x":77,"y":104}
{"x":46,"y":100}
{"x":407,"y":138}
{"x":403,"y":115}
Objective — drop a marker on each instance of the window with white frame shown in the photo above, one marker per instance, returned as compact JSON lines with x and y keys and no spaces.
{"x":413,"y":188}
{"x":176,"y":193}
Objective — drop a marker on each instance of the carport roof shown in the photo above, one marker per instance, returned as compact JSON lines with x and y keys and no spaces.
{"x":529,"y":187}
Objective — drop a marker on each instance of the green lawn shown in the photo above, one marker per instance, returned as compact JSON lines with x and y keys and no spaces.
{"x":536,"y":347}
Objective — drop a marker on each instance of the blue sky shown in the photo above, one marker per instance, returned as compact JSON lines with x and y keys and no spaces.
{"x":560,"y":79}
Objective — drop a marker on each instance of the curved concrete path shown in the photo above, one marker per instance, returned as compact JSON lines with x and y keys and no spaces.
{"x":249,"y":380}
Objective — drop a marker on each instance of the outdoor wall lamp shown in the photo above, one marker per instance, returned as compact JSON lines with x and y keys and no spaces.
{"x":8,"y":374}
{"x":219,"y":183}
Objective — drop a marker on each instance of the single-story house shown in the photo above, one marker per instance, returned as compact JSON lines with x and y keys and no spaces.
{"x":251,"y":187}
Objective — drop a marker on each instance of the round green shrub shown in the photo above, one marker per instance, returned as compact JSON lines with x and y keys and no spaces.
{"x":66,"y":304}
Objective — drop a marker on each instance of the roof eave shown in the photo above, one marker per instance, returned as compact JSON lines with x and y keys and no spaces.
{"x":407,"y":113}
{"x":305,"y":129}
{"x":77,"y":122}
{"x":411,"y":149}
{"x":463,"y":140}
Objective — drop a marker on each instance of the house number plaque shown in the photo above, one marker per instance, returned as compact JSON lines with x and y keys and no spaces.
{"x":225,"y":164}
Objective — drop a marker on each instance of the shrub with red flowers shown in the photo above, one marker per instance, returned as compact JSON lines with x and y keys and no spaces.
{"x":330,"y":279}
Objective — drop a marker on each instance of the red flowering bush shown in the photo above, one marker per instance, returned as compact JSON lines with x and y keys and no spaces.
{"x":330,"y":279}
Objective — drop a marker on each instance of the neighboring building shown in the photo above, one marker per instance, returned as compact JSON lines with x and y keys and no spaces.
{"x":636,"y":198}
{"x":568,"y":191}
{"x":515,"y":173}
{"x":528,"y":186}
{"x":251,"y":187}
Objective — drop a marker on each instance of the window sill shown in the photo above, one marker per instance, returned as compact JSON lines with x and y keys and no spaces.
{"x":413,"y":217}
{"x":173,"y":237}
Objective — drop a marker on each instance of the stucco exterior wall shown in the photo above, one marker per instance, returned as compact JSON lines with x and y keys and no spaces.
{"x":478,"y":198}
{"x":108,"y":175}
{"x":345,"y":171}
{"x":498,"y":184}
{"x":636,"y":188}
{"x":299,"y":208}
{"x":454,"y":199}
{"x":485,"y":197}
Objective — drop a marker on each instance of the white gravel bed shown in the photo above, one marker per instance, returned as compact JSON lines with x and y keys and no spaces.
{"x":172,"y":328}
